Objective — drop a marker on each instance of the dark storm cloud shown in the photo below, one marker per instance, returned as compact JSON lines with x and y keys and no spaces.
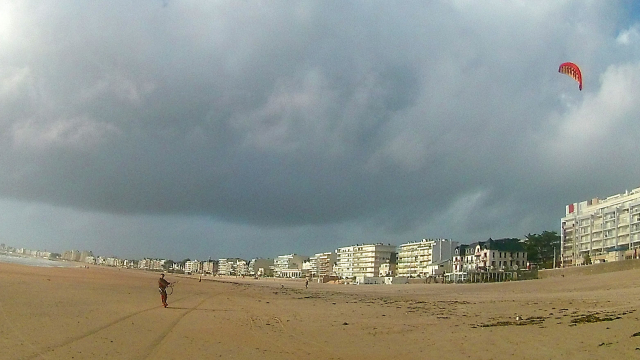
{"x":446,"y":116}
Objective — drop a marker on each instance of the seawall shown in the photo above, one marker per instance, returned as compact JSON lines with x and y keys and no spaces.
{"x":591,"y":269}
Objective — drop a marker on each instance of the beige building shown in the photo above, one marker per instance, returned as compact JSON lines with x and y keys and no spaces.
{"x":209,"y":267}
{"x":601,"y":229}
{"x":418,"y":259}
{"x":322,"y":264}
{"x":261,"y":267}
{"x":360,"y":261}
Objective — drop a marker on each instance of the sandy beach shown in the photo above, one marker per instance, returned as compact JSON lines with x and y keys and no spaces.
{"x":106,"y":313}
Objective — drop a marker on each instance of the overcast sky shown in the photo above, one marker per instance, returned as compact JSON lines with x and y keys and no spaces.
{"x":201,"y":129}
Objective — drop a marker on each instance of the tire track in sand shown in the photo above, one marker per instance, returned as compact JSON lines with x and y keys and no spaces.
{"x":48,"y":349}
{"x":155,"y":347}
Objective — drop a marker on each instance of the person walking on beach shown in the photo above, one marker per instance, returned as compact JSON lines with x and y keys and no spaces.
{"x":162,"y":287}
{"x":306,"y":283}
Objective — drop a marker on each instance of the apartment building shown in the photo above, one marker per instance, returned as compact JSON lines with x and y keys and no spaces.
{"x":232,"y":267}
{"x":284,"y":265}
{"x":145,"y":264}
{"x":360,"y":261}
{"x":113,"y":261}
{"x":601,"y":229}
{"x":322,"y":264}
{"x":209,"y":267}
{"x":420,"y":259}
{"x":71,"y":255}
{"x":500,"y":254}
{"x":224,"y":267}
{"x":192,"y":267}
{"x":241,"y":267}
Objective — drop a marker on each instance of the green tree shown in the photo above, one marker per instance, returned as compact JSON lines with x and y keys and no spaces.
{"x":587,"y":259}
{"x":540,"y":248}
{"x":183,"y":262}
{"x":168,"y":264}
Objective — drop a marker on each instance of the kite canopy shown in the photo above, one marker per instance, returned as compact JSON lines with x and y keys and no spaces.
{"x":572,"y":70}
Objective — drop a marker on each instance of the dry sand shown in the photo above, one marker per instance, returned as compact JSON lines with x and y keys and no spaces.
{"x":106,"y":313}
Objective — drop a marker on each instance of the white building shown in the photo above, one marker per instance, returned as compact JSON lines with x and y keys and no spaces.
{"x":306,"y":268}
{"x":360,"y":261}
{"x":291,"y":273}
{"x":113,"y":261}
{"x":417,"y":259}
{"x":192,"y":267}
{"x":605,"y":230}
{"x":129,"y":263}
{"x":241,"y":267}
{"x":387,"y":269}
{"x":490,"y":255}
{"x":224,"y":267}
{"x":146,"y":264}
{"x":287,"y":262}
{"x":232,"y":267}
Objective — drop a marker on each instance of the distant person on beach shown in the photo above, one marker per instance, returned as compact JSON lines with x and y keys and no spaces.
{"x":162,"y":287}
{"x":306,"y":283}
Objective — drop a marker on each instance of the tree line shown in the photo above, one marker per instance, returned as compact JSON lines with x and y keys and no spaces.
{"x":543,"y":249}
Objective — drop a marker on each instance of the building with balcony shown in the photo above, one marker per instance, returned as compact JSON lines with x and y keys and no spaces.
{"x":288,"y":262}
{"x":113,"y":261}
{"x":209,"y":266}
{"x":224,"y":267}
{"x":490,"y":255}
{"x":360,"y":261}
{"x":192,"y":267}
{"x":601,"y":229}
{"x":420,"y":259}
{"x":145,"y":264}
{"x":232,"y":267}
{"x":71,"y":255}
{"x":322,"y":264}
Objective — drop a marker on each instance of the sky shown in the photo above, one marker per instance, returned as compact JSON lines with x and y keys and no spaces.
{"x":197,"y":129}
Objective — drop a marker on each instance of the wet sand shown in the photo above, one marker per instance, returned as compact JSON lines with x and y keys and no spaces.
{"x":106,"y":313}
